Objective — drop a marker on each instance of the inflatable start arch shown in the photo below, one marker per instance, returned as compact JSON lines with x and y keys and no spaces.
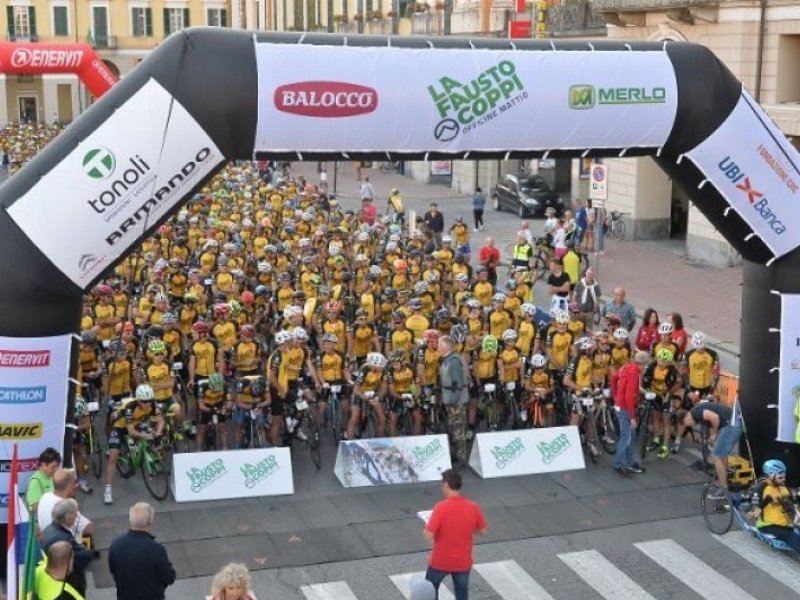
{"x":206,"y":96}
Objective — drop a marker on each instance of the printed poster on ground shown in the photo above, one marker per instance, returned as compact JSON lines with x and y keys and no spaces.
{"x":789,"y":386}
{"x":392,"y":461}
{"x":33,"y":403}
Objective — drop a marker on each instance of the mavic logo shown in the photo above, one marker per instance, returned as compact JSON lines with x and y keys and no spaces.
{"x":581,"y":97}
{"x":99,"y":163}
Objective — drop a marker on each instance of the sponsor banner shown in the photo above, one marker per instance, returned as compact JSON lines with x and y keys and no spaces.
{"x":482,"y":100}
{"x":122,"y":178}
{"x":33,"y":401}
{"x":232,"y":474}
{"x":441,"y":167}
{"x":789,"y":386}
{"x":526,"y":451}
{"x":392,"y":461}
{"x":756,"y":170}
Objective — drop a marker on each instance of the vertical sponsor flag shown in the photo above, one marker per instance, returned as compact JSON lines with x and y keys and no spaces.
{"x":18,"y":536}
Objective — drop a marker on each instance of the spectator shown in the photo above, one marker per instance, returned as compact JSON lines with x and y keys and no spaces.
{"x":599,"y":230}
{"x":369,"y":211}
{"x":580,"y":222}
{"x":625,"y":391}
{"x":232,"y":582}
{"x":572,"y":267}
{"x":64,"y":517}
{"x":522,"y":254}
{"x":587,"y":295}
{"x":525,"y":229}
{"x":50,"y":579}
{"x":647,"y":336}
{"x":558,"y":285}
{"x":139,"y":564}
{"x":622,"y":309}
{"x":358,"y":166}
{"x":455,"y":396}
{"x":588,"y":236}
{"x":421,"y":589}
{"x":560,"y":239}
{"x":489,"y":257}
{"x":41,"y":481}
{"x":451,"y":528}
{"x":478,"y":204}
{"x":434,"y":220}
{"x":366,"y":191}
{"x":65,"y":485}
{"x":679,"y":336}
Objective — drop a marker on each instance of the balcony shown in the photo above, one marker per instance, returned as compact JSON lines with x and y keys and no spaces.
{"x":102,"y":42}
{"x":632,"y":12}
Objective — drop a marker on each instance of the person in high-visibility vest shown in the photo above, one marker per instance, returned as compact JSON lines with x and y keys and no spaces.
{"x":49,"y":581}
{"x":522,"y":253}
{"x":395,"y":205}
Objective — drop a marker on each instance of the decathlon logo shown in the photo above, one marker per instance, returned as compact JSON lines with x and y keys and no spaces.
{"x":23,"y":395}
{"x":328,"y":99}
{"x":99,"y":163}
{"x":755,"y":198}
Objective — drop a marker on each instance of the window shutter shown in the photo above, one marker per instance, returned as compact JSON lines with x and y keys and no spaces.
{"x":148,"y":22}
{"x":32,"y":20}
{"x":223,"y":17}
{"x":185,"y":18}
{"x":166,"y":22}
{"x":10,"y":17}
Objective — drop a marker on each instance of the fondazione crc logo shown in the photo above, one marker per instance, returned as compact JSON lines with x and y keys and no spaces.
{"x":585,"y":97}
{"x":99,"y":163}
{"x":326,"y":99}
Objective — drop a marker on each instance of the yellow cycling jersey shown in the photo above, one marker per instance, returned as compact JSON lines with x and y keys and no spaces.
{"x":246,"y":355}
{"x":620,"y":355}
{"x":224,"y":282}
{"x":88,"y":360}
{"x":130,"y":412}
{"x":540,"y":379}
{"x":576,"y":327}
{"x":225,"y":333}
{"x":121,"y":304}
{"x":211,"y":397}
{"x":369,"y":380}
{"x":177,"y":285}
{"x":330,"y":366}
{"x":774,"y":513}
{"x":580,"y":369}
{"x":401,"y":340}
{"x":285,"y":295}
{"x":205,"y":354}
{"x":559,"y":345}
{"x":172,"y":339}
{"x":485,"y":364}
{"x":369,"y":304}
{"x":402,"y":379}
{"x":105,"y":311}
{"x":702,"y":366}
{"x":499,"y":321}
{"x":601,"y":361}
{"x":362,"y":340}
{"x":186,"y":320}
{"x":296,"y":360}
{"x":417,"y":324}
{"x":429,"y":359}
{"x":483,"y":292}
{"x":511,"y":371}
{"x":526,"y":334}
{"x":157,"y":374}
{"x":87,"y":322}
{"x":338,"y":329}
{"x":460,"y":234}
{"x":119,"y":377}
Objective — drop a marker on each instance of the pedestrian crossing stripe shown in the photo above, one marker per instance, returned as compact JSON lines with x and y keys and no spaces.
{"x":510,"y":581}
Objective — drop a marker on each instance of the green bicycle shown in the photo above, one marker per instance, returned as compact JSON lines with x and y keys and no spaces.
{"x":153,"y":462}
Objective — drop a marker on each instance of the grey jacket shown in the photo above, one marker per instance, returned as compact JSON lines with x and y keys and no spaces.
{"x":453,"y":380}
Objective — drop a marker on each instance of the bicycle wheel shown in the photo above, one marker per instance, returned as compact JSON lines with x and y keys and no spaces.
{"x":371,"y":426}
{"x":717,"y":508}
{"x":336,"y":421}
{"x":591,"y":446}
{"x":643,"y":433}
{"x":124,"y":465}
{"x":607,"y":426}
{"x":620,"y":230}
{"x":312,"y":432}
{"x":95,"y":451}
{"x":155,"y":473}
{"x":704,"y":447}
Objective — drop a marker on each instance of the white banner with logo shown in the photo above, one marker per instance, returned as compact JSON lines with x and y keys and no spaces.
{"x":756,"y":169}
{"x":392,"y":461}
{"x":526,"y":452}
{"x":416,"y":100}
{"x":232,"y":474}
{"x":789,"y":387}
{"x":96,"y":203}
{"x":33,"y":403}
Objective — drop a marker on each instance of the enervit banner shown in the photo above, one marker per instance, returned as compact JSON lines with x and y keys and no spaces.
{"x":232,"y":474}
{"x":391,"y":461}
{"x":526,"y":451}
{"x":33,"y":402}
{"x":750,"y":162}
{"x":98,"y":201}
{"x":368,"y":99}
{"x":789,"y":387}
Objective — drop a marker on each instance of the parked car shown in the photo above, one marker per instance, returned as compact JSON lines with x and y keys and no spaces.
{"x":527,"y":195}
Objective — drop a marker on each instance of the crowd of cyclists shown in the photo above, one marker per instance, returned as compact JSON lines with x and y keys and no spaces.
{"x":264,"y":303}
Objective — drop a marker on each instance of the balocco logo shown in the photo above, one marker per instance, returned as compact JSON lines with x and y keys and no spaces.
{"x":99,"y":163}
{"x":327,"y":99}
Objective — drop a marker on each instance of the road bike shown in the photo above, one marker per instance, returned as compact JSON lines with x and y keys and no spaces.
{"x":606,"y":421}
{"x":589,"y":437}
{"x":154,"y":464}
{"x":493,"y":411}
{"x":644,"y":432}
{"x":617,"y":227}
{"x":434,"y":414}
{"x":333,"y":412}
{"x":307,"y":423}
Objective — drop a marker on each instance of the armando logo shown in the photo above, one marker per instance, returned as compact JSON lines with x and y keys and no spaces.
{"x":326,"y":99}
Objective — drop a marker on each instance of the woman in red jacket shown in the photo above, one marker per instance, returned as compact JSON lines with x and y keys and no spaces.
{"x":679,"y":336}
{"x":625,"y":391}
{"x":647,"y":335}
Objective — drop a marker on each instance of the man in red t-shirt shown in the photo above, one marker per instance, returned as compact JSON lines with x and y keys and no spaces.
{"x":489,"y":257}
{"x":451,"y":526}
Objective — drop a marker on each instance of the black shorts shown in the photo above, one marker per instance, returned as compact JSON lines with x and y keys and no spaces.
{"x":117,"y":437}
{"x":206,"y":418}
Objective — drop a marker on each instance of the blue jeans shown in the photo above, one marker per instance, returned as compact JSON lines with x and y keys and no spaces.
{"x":627,"y":441}
{"x":460,"y":581}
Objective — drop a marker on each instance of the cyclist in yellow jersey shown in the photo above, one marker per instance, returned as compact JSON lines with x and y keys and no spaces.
{"x":576,"y":326}
{"x":369,"y":389}
{"x":105,"y":316}
{"x":332,"y":370}
{"x":578,"y":379}
{"x":540,"y":385}
{"x":427,"y":375}
{"x":119,"y":374}
{"x":225,"y":331}
{"x":700,"y":368}
{"x":499,"y":318}
{"x":204,"y":358}
{"x":621,"y":350}
{"x":460,"y":233}
{"x":398,"y":336}
{"x":526,"y":331}
{"x":188,"y":314}
{"x":334,"y":324}
{"x":601,"y":361}
{"x":212,"y":400}
{"x":400,"y":389}
{"x":362,"y":338}
{"x":559,"y":345}
{"x":662,"y":378}
{"x":483,"y":288}
{"x":417,"y":323}
{"x":247,"y":353}
{"x":89,"y":361}
{"x":665,"y":342}
{"x":252,"y":401}
{"x":509,"y":368}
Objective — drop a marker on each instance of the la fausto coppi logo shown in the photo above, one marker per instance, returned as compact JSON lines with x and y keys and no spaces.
{"x":465,"y":106}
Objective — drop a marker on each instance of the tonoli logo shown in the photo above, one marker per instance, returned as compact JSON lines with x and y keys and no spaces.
{"x":99,"y":163}
{"x":327,"y":99}
{"x":755,"y":198}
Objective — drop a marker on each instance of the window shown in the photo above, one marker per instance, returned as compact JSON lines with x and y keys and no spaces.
{"x":60,"y":21}
{"x":217,"y":17}
{"x":21,"y":22}
{"x":142,"y":20}
{"x":175,"y":19}
{"x":100,"y":26}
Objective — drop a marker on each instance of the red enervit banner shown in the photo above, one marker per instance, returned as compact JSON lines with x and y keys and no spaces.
{"x":34,"y":59}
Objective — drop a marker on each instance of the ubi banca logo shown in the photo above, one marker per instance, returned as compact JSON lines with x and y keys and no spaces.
{"x":755,"y":197}
{"x":99,"y":163}
{"x":330,"y":99}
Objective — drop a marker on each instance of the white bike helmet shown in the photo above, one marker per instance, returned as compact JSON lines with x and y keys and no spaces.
{"x":377,"y":360}
{"x":299,"y":334}
{"x":509,"y":335}
{"x":561,"y":317}
{"x":527,"y":309}
{"x":698,"y":339}
{"x":620,"y":333}
{"x":282,"y":337}
{"x":145,"y":392}
{"x":538,"y":361}
{"x":665,"y":328}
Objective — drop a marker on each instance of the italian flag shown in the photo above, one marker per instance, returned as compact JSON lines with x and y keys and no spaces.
{"x":21,"y":543}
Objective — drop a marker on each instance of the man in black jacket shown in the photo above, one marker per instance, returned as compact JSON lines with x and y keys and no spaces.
{"x":139,"y":564}
{"x":65,"y":514}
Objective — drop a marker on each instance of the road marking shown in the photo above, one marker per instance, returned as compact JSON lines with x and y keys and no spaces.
{"x":335,"y":590}
{"x":773,"y":562}
{"x":403,"y":583}
{"x":511,"y":582}
{"x":693,"y":572}
{"x":601,"y":574}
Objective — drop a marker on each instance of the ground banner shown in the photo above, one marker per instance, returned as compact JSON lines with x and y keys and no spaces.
{"x":124,"y":177}
{"x":361,"y":99}
{"x":789,"y":386}
{"x":392,"y":461}
{"x":232,"y":474}
{"x":750,"y":163}
{"x":33,"y":403}
{"x":526,"y":452}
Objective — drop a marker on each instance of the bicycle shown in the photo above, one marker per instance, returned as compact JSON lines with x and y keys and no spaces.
{"x":643,"y":430}
{"x":251,"y":430}
{"x":588,"y":424}
{"x":153,"y":463}
{"x":388,"y":166}
{"x":606,"y":421}
{"x":307,"y":423}
{"x":617,"y":228}
{"x":333,"y":413}
{"x":434,"y":415}
{"x":490,"y":406}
